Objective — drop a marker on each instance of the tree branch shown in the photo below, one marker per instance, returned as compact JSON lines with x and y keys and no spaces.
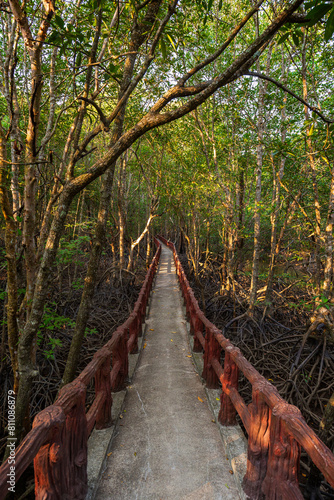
{"x":221,"y":49}
{"x":103,"y":118}
{"x":133,"y":84}
{"x":297,"y":18}
{"x":155,"y":119}
{"x":238,"y":68}
{"x":22,"y":21}
{"x":286,"y":89}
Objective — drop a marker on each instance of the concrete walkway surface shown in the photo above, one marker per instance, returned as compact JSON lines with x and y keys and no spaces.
{"x":167,"y":446}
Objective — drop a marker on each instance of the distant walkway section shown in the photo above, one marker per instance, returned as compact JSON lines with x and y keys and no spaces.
{"x":167,"y":447}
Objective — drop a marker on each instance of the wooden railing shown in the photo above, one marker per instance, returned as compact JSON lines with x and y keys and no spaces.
{"x":276,"y":430}
{"x":57,"y":442}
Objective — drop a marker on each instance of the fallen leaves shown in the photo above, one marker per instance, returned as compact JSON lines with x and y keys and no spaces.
{"x":199,"y":399}
{"x":144,"y":345}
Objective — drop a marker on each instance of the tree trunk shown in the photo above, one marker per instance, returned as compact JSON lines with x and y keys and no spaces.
{"x":328,"y":282}
{"x":310,"y":152}
{"x":10,"y":245}
{"x":27,"y":366}
{"x":138,"y":240}
{"x":121,"y":212}
{"x":223,"y":269}
{"x":241,"y":206}
{"x":230,"y":241}
{"x":261,"y":127}
{"x":16,"y":150}
{"x":148,"y":249}
{"x":276,"y":201}
{"x":258,"y":186}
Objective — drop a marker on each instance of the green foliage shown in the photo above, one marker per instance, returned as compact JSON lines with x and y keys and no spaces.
{"x":20,"y":291}
{"x":293,"y":31}
{"x":324,"y":302}
{"x":70,"y":251}
{"x":318,"y":10}
{"x":52,"y":325}
{"x":77,"y":284}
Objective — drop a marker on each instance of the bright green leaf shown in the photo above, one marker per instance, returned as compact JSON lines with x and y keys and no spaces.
{"x":283,"y":38}
{"x":329,"y":26}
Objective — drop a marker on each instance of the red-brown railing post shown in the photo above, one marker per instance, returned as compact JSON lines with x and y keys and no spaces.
{"x":212,"y":351}
{"x":138,"y":322}
{"x":134,"y":332}
{"x":61,"y":464}
{"x":120,"y":353}
{"x":227,"y":412}
{"x":46,"y":462}
{"x":139,"y":325}
{"x":258,"y":444}
{"x":187,"y":301}
{"x":183,"y":286}
{"x":281,"y":481}
{"x":191,"y":318}
{"x":103,"y":384}
{"x":198,"y":329}
{"x":142,"y":312}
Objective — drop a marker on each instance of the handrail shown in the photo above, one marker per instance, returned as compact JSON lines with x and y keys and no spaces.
{"x":276,"y":429}
{"x":58,"y":440}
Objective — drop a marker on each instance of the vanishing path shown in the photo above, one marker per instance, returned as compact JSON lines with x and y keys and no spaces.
{"x":167,"y":447}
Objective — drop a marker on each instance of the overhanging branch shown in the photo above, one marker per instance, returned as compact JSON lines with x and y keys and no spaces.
{"x":132,"y":85}
{"x":99,"y":110}
{"x":297,"y":18}
{"x":286,"y":89}
{"x":154,"y":118}
{"x":221,"y":49}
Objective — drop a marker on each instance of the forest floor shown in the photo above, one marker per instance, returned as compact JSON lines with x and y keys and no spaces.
{"x":302,"y":373}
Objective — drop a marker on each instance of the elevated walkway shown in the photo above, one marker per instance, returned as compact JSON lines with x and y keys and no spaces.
{"x":167,"y":445}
